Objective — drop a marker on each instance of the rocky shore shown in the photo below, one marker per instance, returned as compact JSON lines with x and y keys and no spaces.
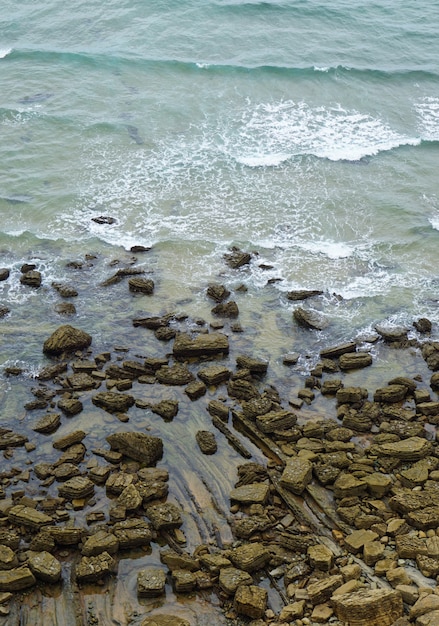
{"x":338,"y":524}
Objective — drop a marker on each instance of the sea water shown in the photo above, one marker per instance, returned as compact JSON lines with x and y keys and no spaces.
{"x":303,"y":131}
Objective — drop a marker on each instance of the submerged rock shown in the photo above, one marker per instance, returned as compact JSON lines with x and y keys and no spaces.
{"x":310,"y":319}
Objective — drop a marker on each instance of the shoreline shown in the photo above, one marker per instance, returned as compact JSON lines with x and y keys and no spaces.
{"x":278,"y":524}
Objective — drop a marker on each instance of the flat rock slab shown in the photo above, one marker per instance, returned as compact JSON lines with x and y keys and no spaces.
{"x":132,"y":533}
{"x":256,"y":366}
{"x":200,"y":345}
{"x":336,"y":351}
{"x":66,"y":339}
{"x":164,"y":619}
{"x":256,"y":493}
{"x":9,"y":439}
{"x":374,"y":607}
{"x":411,"y":449}
{"x":214,"y":375}
{"x":99,"y":542}
{"x":45,"y":566}
{"x":16,"y":579}
{"x":251,"y":600}
{"x":231,"y":578}
{"x":113,"y":402}
{"x":94,"y":568}
{"x":76,"y":488}
{"x":48,"y":423}
{"x":22,"y":515}
{"x":151,"y":582}
{"x":138,"y":446}
{"x":164,"y":516}
{"x":354,"y":360}
{"x":174,"y":375}
{"x":320,"y":591}
{"x":275,"y":420}
{"x":250,"y":557}
{"x":391,"y":393}
{"x":296,"y":475}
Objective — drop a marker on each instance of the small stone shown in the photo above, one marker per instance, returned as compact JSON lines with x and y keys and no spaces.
{"x":231,"y":578}
{"x":320,"y":557}
{"x":296,"y":475}
{"x":206,"y":442}
{"x":151,"y":582}
{"x":251,"y":601}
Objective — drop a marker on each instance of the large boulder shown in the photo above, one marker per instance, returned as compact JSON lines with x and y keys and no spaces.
{"x":138,"y":446}
{"x":310,"y":319}
{"x":66,"y":339}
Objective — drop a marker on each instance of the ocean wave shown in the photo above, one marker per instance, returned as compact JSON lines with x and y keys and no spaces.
{"x":427,"y":109}
{"x":4,"y":52}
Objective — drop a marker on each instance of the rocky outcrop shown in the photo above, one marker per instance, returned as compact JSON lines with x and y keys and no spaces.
{"x":66,"y":339}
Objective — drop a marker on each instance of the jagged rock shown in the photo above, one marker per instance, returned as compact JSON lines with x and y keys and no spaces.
{"x":65,"y":471}
{"x":330,"y":387}
{"x":8,"y":558}
{"x":195,"y":389}
{"x":65,"y":291}
{"x":374,"y":607}
{"x":176,"y":561}
{"x":303,"y":294}
{"x":414,"y":476}
{"x":231,"y":578}
{"x":320,"y":557}
{"x":214,"y":375}
{"x":132,"y":533}
{"x":167,"y":409}
{"x":45,"y":566}
{"x":164,"y":516}
{"x":247,"y":526}
{"x":226,"y":309}
{"x":249,"y":494}
{"x":377,"y":484}
{"x":70,"y":406}
{"x":138,"y":446}
{"x":66,"y":339}
{"x":99,"y":542}
{"x":48,"y":423}
{"x":391,"y":393}
{"x":141,"y":285}
{"x":242,"y":389}
{"x":275,"y":420}
{"x":218,"y":409}
{"x":347,"y":486}
{"x":217,"y":292}
{"x":424,"y":519}
{"x":130,"y":498}
{"x":201,"y":345}
{"x":22,"y":515}
{"x":183,"y":581}
{"x":68,"y":440}
{"x":174,"y":375}
{"x":255,"y":366}
{"x":66,"y":536}
{"x":250,"y":557}
{"x":65,"y":308}
{"x":4,"y":310}
{"x":9,"y":439}
{"x":411,"y":449}
{"x":251,"y":601}
{"x":351,"y":395}
{"x":113,"y":402}
{"x":321,"y":590}
{"x":32,"y":278}
{"x":237,"y":258}
{"x":310,"y":319}
{"x":76,"y":488}
{"x":94,"y":568}
{"x":81,"y":381}
{"x":214,"y":563}
{"x":355,"y":360}
{"x":16,"y":579}
{"x":297,"y":474}
{"x":206,"y":441}
{"x":151,"y":582}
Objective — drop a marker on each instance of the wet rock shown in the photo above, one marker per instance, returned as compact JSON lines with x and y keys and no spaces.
{"x":132,"y":533}
{"x":411,"y":449}
{"x":4,"y":310}
{"x":237,"y":258}
{"x":248,"y":526}
{"x":374,"y":607}
{"x":214,"y":563}
{"x":45,"y":567}
{"x":48,"y":423}
{"x":66,"y":339}
{"x":151,"y":582}
{"x":16,"y":579}
{"x":206,"y":442}
{"x":226,"y":309}
{"x":201,"y":345}
{"x":113,"y":402}
{"x":167,"y":409}
{"x":423,"y":325}
{"x":392,"y":334}
{"x":32,"y":278}
{"x":330,"y":387}
{"x":65,"y":308}
{"x":250,"y":601}
{"x":141,"y":285}
{"x":303,"y":294}
{"x":69,"y":440}
{"x":176,"y":561}
{"x":164,"y":516}
{"x":174,"y":375}
{"x":250,"y":557}
{"x":216,"y":292}
{"x":242,"y":389}
{"x":65,"y":471}
{"x":183,"y":581}
{"x":351,"y":395}
{"x":195,"y":389}
{"x":321,"y":590}
{"x":296,"y":475}
{"x":76,"y":488}
{"x":391,"y":393}
{"x":138,"y":446}
{"x":257,"y":406}
{"x":51,"y":371}
{"x":130,"y":498}
{"x":355,"y":360}
{"x":22,"y":515}
{"x":8,"y":558}
{"x":276,"y":420}
{"x":310,"y":319}
{"x":65,"y":291}
{"x":99,"y":542}
{"x":231,"y":578}
{"x":104,"y":219}
{"x":9,"y":439}
{"x":214,"y":375}
{"x":4,"y":274}
{"x":94,"y":568}
{"x":250,"y":494}
{"x":218,"y":409}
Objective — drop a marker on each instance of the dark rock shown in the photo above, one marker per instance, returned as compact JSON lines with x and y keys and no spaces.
{"x":201,"y":345}
{"x":9,"y":439}
{"x":70,"y":406}
{"x":48,"y":423}
{"x":65,"y":308}
{"x":104,"y":219}
{"x":113,"y":402}
{"x":255,"y":366}
{"x":167,"y":409}
{"x":206,"y":441}
{"x":45,"y":566}
{"x":16,"y":579}
{"x":151,"y":582}
{"x":177,"y":374}
{"x":76,"y":488}
{"x":310,"y":319}
{"x":391,"y":393}
{"x":219,"y":293}
{"x":65,"y":291}
{"x":355,"y":360}
{"x":4,"y":273}
{"x":138,"y":446}
{"x":303,"y":294}
{"x":94,"y":568}
{"x":237,"y":258}
{"x":164,"y":516}
{"x":214,"y":375}
{"x":423,"y":325}
{"x":4,"y":310}
{"x":226,"y":309}
{"x":32,"y":278}
{"x":195,"y":389}
{"x":141,"y":285}
{"x":66,"y":339}
{"x":337,"y":351}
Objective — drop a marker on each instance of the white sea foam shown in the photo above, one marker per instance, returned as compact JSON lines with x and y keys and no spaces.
{"x":427,"y":110}
{"x":294,"y":128}
{"x":4,"y":52}
{"x":331,"y":249}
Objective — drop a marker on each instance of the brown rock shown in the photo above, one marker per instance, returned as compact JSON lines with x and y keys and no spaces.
{"x":391,"y":393}
{"x":214,"y":375}
{"x":16,"y":579}
{"x":275,"y":420}
{"x":297,"y":474}
{"x":151,"y":582}
{"x":321,"y":590}
{"x":206,"y":441}
{"x":94,"y":568}
{"x":374,"y":607}
{"x":177,"y":374}
{"x":231,"y":578}
{"x":162,"y":619}
{"x":411,"y":449}
{"x":66,"y":339}
{"x":137,"y":446}
{"x":256,"y":493}
{"x":113,"y":402}
{"x":355,"y":360}
{"x":22,"y":515}
{"x":45,"y":566}
{"x":226,"y":309}
{"x":320,"y":557}
{"x":250,"y":557}
{"x":99,"y":542}
{"x":48,"y":423}
{"x":141,"y":285}
{"x":32,"y":278}
{"x":167,"y":409}
{"x":310,"y":319}
{"x":217,"y":292}
{"x":164,"y":516}
{"x":200,"y":345}
{"x":251,"y":601}
{"x":132,"y":533}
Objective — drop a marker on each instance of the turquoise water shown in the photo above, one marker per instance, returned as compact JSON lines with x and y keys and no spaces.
{"x":304,"y":131}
